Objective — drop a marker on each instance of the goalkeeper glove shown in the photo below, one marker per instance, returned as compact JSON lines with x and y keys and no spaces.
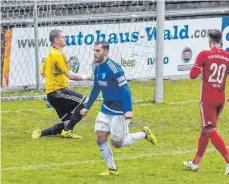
{"x":88,"y":77}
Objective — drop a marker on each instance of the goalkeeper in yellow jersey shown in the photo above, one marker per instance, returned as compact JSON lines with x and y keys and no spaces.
{"x":65,"y":101}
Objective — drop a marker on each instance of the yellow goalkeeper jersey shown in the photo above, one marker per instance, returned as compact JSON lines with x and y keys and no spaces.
{"x":55,"y":66}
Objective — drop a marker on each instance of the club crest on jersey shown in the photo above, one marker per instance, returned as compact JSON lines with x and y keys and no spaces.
{"x":103,"y":75}
{"x":186,"y":55}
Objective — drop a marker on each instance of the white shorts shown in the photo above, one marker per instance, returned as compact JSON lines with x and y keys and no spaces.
{"x":117,"y":125}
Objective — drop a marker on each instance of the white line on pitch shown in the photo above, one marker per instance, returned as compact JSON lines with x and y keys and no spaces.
{"x":23,"y":110}
{"x":41,"y":166}
{"x":171,"y":103}
{"x":183,"y":102}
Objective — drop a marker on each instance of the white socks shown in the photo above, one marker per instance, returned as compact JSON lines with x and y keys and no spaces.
{"x":106,"y":151}
{"x":227,"y":169}
{"x":107,"y":154}
{"x":132,"y":138}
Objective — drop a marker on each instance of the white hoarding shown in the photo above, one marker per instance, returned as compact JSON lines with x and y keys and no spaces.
{"x":132,"y":45}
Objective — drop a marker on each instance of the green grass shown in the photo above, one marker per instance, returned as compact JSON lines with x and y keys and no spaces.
{"x":52,"y":160}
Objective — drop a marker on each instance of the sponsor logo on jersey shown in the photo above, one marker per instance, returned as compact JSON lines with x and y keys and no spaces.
{"x":186,"y":55}
{"x":102,"y":83}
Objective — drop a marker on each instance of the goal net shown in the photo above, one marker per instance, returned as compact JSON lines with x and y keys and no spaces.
{"x":128,"y":26}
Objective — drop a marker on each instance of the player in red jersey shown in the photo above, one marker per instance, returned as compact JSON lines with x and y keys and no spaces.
{"x":213,"y":64}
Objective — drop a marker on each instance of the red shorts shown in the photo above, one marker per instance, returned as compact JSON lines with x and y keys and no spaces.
{"x":210,"y":112}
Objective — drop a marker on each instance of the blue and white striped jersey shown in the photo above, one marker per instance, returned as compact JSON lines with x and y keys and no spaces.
{"x":111,"y":81}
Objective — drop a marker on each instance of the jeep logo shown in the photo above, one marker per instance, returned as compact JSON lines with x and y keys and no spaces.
{"x":128,"y":63}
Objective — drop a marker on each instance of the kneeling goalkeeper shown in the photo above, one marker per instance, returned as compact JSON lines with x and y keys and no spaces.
{"x":66,"y":102}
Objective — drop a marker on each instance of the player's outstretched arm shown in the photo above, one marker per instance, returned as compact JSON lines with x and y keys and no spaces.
{"x":94,"y":93}
{"x":76,"y":76}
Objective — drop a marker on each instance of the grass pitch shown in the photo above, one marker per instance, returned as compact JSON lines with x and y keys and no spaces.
{"x":53,"y":160}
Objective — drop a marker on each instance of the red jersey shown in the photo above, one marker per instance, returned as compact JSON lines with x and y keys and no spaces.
{"x":214,"y":65}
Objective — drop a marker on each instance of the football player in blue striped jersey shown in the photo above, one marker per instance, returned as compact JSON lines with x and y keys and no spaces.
{"x":116,"y":111}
